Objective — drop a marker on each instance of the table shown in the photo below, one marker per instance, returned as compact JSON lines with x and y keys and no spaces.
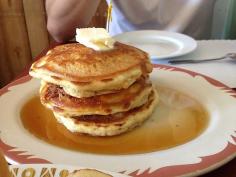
{"x":229,"y":78}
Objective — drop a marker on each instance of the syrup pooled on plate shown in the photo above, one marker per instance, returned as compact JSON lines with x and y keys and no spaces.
{"x":177,"y":119}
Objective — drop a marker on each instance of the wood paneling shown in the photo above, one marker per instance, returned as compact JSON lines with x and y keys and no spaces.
{"x":14,"y":37}
{"x":99,"y":19}
{"x":5,"y":72}
{"x":35,"y":17}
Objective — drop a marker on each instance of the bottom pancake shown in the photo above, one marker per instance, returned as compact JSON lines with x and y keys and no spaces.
{"x":110,"y":125}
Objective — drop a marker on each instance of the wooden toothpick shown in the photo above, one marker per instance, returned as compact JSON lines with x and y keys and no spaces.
{"x":109,"y":14}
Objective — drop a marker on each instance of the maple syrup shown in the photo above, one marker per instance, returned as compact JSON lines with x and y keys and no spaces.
{"x":177,"y":119}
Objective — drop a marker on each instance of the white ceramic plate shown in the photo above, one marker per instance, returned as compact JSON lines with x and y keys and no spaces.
{"x":214,"y":147}
{"x":159,"y":44}
{"x":43,"y":170}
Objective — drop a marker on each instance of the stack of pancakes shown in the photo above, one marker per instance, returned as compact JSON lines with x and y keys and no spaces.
{"x":100,"y":93}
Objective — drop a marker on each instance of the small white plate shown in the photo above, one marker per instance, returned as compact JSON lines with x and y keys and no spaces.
{"x":159,"y":44}
{"x":53,"y":170}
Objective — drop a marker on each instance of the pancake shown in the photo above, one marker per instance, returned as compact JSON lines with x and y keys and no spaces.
{"x":88,"y":173}
{"x":100,"y":93}
{"x":110,"y":125}
{"x":55,"y":98}
{"x":84,"y":72}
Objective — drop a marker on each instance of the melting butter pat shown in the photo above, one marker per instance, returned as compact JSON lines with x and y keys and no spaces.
{"x":95,"y":38}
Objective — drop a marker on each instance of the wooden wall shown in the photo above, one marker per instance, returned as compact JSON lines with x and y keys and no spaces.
{"x":23,"y":34}
{"x":99,"y":20}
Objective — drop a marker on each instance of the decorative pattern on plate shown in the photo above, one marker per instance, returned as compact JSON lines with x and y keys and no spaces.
{"x":19,"y":156}
{"x":177,"y":170}
{"x":194,"y":74}
{"x":47,"y":170}
{"x":14,"y":83}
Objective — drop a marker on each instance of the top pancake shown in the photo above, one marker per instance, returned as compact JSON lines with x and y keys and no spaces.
{"x":77,"y":63}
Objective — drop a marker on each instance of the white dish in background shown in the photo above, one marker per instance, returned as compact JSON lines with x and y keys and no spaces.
{"x":159,"y":44}
{"x":52,"y":170}
{"x":211,"y":149}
